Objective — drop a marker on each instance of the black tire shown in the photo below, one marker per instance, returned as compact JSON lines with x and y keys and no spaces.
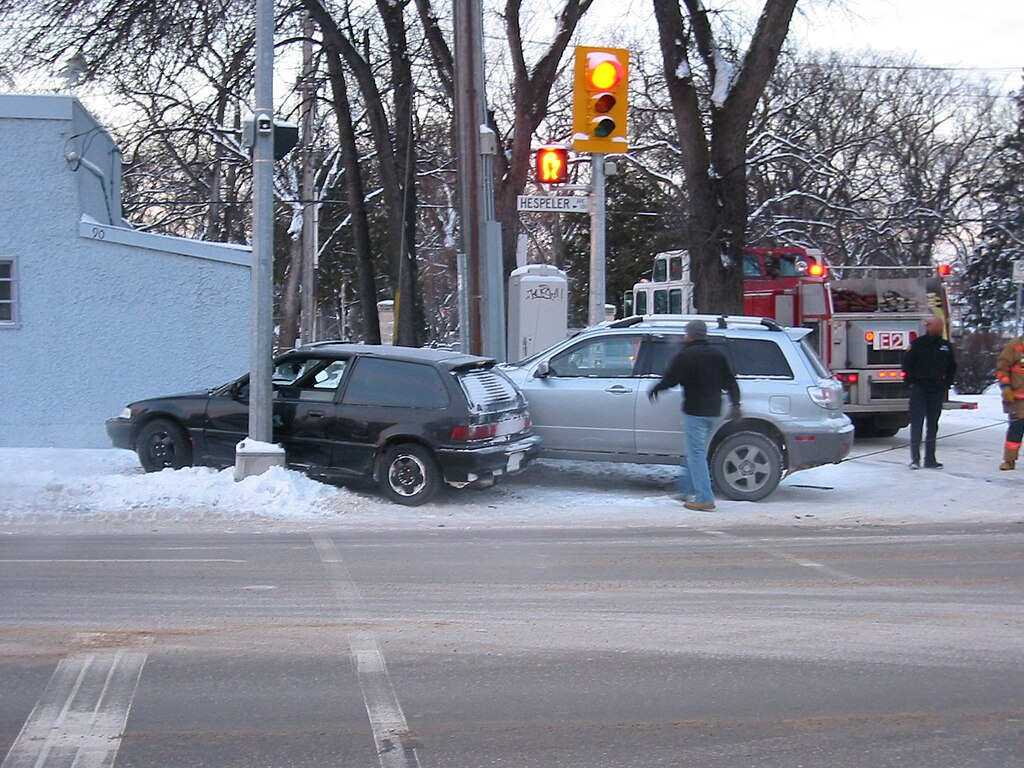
{"x":408,"y":474}
{"x":746,"y":466}
{"x":163,"y":444}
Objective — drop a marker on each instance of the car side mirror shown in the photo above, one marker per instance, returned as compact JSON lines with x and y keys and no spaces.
{"x":542,"y":371}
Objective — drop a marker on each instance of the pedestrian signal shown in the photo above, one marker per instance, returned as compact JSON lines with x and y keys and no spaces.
{"x":552,"y":165}
{"x":600,"y":100}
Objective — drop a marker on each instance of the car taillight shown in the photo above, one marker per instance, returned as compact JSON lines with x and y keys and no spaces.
{"x":465,"y":432}
{"x":826,"y":394}
{"x":913,"y":335}
{"x":869,"y":337}
{"x":847,"y":378}
{"x":891,"y":374}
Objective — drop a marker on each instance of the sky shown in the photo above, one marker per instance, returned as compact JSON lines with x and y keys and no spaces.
{"x":982,"y":33}
{"x":978,"y":34}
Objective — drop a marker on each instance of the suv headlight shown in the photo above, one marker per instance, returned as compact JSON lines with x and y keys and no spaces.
{"x":827,"y":393}
{"x":125,"y":414}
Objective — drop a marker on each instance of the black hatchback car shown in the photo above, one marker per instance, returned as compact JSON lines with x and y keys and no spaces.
{"x":411,"y":419}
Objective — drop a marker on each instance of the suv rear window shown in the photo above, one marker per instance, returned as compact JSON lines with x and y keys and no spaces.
{"x":758,"y":358}
{"x":395,"y":383}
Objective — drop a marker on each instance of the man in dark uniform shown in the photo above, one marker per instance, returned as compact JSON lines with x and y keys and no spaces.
{"x":704,"y":372}
{"x":930,"y":366}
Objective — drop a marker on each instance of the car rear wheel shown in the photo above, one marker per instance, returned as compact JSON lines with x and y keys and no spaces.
{"x":162,"y":444}
{"x":408,"y":474}
{"x":747,"y":466}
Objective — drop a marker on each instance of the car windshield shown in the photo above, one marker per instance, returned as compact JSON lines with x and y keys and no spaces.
{"x":288,"y":371}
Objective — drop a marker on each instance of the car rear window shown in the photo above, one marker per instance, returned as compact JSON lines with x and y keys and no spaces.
{"x":486,"y":388}
{"x":759,"y":358}
{"x":812,"y":357}
{"x":395,"y":383}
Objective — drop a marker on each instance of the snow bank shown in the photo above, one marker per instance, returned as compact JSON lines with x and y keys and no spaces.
{"x":874,"y":486}
{"x":62,"y":483}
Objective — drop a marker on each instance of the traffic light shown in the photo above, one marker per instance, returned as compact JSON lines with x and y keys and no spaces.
{"x":600,"y":100}
{"x":552,"y":164}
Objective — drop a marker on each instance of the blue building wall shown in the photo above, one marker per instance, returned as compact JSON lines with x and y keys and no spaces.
{"x":104,"y":314}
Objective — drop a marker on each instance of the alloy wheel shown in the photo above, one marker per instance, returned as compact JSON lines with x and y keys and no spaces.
{"x":747,"y":468}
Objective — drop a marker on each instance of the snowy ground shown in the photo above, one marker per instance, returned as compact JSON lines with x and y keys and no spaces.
{"x":89,"y":488}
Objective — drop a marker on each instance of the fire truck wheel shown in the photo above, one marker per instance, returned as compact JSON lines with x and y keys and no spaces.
{"x":746,"y":466}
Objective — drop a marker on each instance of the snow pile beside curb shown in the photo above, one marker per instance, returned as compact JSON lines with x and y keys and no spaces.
{"x":66,"y":483}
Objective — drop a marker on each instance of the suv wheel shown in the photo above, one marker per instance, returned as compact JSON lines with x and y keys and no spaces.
{"x":747,"y":466}
{"x":408,"y":474}
{"x":162,"y":444}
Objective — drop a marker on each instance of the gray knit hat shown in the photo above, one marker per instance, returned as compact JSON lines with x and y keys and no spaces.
{"x":697,"y":329}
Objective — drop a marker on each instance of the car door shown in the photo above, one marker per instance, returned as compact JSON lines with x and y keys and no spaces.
{"x":769,"y":388}
{"x":659,"y":428}
{"x":227,"y":422}
{"x":227,"y":410}
{"x":306,"y":413}
{"x":587,"y":400}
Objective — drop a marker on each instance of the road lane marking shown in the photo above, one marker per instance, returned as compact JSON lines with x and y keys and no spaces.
{"x":387,"y":721}
{"x":801,"y":561}
{"x":81,"y":716}
{"x":121,"y":560}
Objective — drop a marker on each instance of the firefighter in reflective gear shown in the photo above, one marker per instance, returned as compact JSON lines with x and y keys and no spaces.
{"x":1010,"y":372}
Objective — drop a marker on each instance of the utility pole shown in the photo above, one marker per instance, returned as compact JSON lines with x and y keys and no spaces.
{"x":595,"y":313}
{"x":481,"y":274}
{"x":255,"y":459}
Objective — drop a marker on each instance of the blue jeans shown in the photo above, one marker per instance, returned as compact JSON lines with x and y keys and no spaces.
{"x":694,"y":477}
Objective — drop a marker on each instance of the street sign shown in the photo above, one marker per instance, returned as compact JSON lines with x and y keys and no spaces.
{"x":1018,"y":271}
{"x":553,"y":203}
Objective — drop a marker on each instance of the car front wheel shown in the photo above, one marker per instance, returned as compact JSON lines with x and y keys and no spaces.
{"x":747,"y":466}
{"x":162,"y":444}
{"x":408,"y":474}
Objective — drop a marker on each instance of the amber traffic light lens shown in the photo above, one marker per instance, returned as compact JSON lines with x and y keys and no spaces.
{"x":604,"y":103}
{"x":604,"y":75}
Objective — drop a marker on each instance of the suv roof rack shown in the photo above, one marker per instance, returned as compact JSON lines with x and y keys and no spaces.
{"x":718,"y":321}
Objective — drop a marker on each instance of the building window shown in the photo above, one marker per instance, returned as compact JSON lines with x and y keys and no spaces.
{"x":8,"y":296}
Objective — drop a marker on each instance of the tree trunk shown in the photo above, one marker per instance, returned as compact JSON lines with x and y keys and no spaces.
{"x":715,"y":167}
{"x":366,"y":287}
{"x":289,"y":327}
{"x":408,"y":304}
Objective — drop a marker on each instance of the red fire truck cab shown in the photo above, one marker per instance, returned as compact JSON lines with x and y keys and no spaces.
{"x":862,"y":319}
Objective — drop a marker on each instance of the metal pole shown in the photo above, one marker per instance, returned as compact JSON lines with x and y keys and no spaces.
{"x":595,"y":314}
{"x":309,"y":224}
{"x":261,"y":364}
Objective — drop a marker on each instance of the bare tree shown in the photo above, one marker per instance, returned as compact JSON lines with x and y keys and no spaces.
{"x":393,"y":139}
{"x":713,"y":135}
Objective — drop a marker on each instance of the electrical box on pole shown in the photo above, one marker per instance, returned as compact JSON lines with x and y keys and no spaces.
{"x":600,"y":100}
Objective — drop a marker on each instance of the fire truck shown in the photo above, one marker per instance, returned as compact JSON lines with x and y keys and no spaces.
{"x":862,"y":319}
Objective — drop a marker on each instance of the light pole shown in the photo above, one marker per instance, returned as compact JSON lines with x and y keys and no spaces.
{"x":255,"y":454}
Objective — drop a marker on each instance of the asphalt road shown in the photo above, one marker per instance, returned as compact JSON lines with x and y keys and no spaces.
{"x":532,"y":648}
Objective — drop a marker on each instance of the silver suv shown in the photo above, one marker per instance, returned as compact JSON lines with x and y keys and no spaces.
{"x":588,"y":400}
